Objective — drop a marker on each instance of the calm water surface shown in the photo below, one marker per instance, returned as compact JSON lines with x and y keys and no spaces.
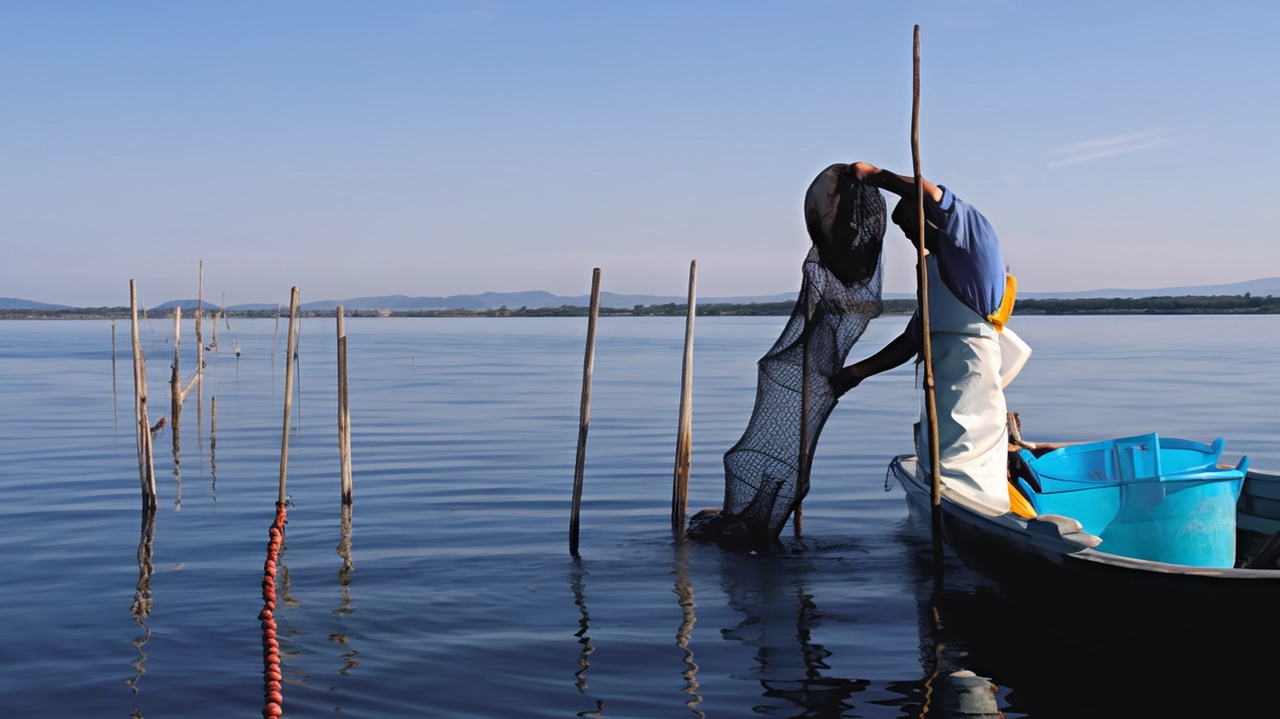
{"x":460,"y":599}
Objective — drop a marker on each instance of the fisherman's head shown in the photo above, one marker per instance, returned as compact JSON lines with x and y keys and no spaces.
{"x":906,"y":216}
{"x":846,"y":220}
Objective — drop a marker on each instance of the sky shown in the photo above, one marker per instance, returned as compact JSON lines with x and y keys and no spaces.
{"x":438,"y":147}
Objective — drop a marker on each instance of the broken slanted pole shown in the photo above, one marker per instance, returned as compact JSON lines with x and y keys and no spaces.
{"x":584,"y":415}
{"x":288,"y":394}
{"x":684,"y":431}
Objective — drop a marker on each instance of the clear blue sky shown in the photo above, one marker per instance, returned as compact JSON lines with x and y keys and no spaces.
{"x":458,"y":146}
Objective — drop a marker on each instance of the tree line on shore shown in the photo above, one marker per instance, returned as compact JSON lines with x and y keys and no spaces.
{"x":1190,"y":304}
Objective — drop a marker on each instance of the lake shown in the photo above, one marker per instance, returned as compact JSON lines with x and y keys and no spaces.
{"x":460,"y":598}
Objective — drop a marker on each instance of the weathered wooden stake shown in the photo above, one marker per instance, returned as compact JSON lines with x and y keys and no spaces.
{"x":175,"y":386}
{"x":585,"y":413}
{"x":288,"y":394}
{"x":146,"y":463}
{"x":684,"y":432}
{"x":931,"y":407}
{"x":344,"y":412}
{"x":175,"y":407}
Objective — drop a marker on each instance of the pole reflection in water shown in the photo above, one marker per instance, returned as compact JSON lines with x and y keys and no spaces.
{"x":951,"y":688}
{"x":584,"y":624}
{"x":213,"y":446}
{"x":115,"y":410}
{"x":177,"y":473}
{"x":142,"y":599}
{"x":344,"y":581}
{"x":684,"y":591}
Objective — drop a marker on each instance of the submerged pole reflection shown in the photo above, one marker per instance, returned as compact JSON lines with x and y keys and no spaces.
{"x":951,"y":689}
{"x":344,"y":581}
{"x":213,"y":447}
{"x":584,"y":625}
{"x":142,"y":597}
{"x":780,"y":616}
{"x":684,"y":591}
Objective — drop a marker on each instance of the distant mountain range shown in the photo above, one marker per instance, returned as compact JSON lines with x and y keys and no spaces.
{"x":538,"y":299}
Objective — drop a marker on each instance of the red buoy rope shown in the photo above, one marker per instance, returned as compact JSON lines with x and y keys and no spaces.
{"x":270,"y":645}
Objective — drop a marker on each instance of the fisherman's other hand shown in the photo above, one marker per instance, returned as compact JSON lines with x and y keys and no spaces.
{"x":845,"y":380}
{"x":863,"y":170}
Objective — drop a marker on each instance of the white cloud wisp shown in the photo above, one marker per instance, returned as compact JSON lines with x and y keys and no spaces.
{"x":1091,"y":150}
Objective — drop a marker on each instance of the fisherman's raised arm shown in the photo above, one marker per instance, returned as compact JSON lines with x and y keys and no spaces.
{"x":900,"y":185}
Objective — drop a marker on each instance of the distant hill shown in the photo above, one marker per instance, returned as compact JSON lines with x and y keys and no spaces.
{"x":538,"y":299}
{"x":15,"y":303}
{"x":1258,"y":288}
{"x":187,"y":306}
{"x":535,"y":299}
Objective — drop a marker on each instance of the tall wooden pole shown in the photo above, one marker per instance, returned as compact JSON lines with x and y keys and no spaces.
{"x":146,"y":463}
{"x":931,"y":406}
{"x":175,"y":386}
{"x":288,"y":393}
{"x":684,"y":432}
{"x":344,"y":412}
{"x":584,"y":416}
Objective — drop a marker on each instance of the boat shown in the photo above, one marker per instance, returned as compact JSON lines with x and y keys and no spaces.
{"x":1053,"y":565}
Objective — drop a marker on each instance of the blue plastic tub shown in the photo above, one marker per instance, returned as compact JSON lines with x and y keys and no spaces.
{"x":1163,"y":500}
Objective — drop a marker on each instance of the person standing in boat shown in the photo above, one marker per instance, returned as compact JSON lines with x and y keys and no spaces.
{"x":970,"y":298}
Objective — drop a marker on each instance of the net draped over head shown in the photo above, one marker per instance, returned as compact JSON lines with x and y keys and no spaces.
{"x":840,"y":295}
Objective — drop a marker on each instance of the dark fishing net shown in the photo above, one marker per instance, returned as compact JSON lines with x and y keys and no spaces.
{"x":840,"y":295}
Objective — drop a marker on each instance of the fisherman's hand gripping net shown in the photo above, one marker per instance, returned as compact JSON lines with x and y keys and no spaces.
{"x":765,"y":479}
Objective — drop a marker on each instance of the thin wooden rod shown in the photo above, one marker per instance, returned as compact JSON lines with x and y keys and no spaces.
{"x":288,"y":393}
{"x":931,"y":406}
{"x":584,"y":418}
{"x":806,"y":451}
{"x":344,"y":412}
{"x":684,"y":432}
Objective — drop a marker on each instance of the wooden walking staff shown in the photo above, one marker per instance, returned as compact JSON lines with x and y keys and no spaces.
{"x":585,"y":413}
{"x":931,"y":406}
{"x":344,"y":413}
{"x":288,"y":393}
{"x":684,"y":433}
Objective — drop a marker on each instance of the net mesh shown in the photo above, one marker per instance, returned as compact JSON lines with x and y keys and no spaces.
{"x":764,"y":474}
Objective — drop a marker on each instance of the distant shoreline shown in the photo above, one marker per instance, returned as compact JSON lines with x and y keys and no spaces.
{"x":1186,"y":305}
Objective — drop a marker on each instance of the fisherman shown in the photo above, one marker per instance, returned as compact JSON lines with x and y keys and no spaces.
{"x":970,"y":298}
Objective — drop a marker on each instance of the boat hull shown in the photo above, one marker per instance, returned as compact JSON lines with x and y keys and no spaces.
{"x":1069,"y":582}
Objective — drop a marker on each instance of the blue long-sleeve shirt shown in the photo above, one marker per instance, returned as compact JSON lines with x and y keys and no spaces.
{"x":969,"y":258}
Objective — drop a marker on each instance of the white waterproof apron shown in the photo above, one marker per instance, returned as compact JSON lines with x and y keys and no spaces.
{"x":972,"y":437}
